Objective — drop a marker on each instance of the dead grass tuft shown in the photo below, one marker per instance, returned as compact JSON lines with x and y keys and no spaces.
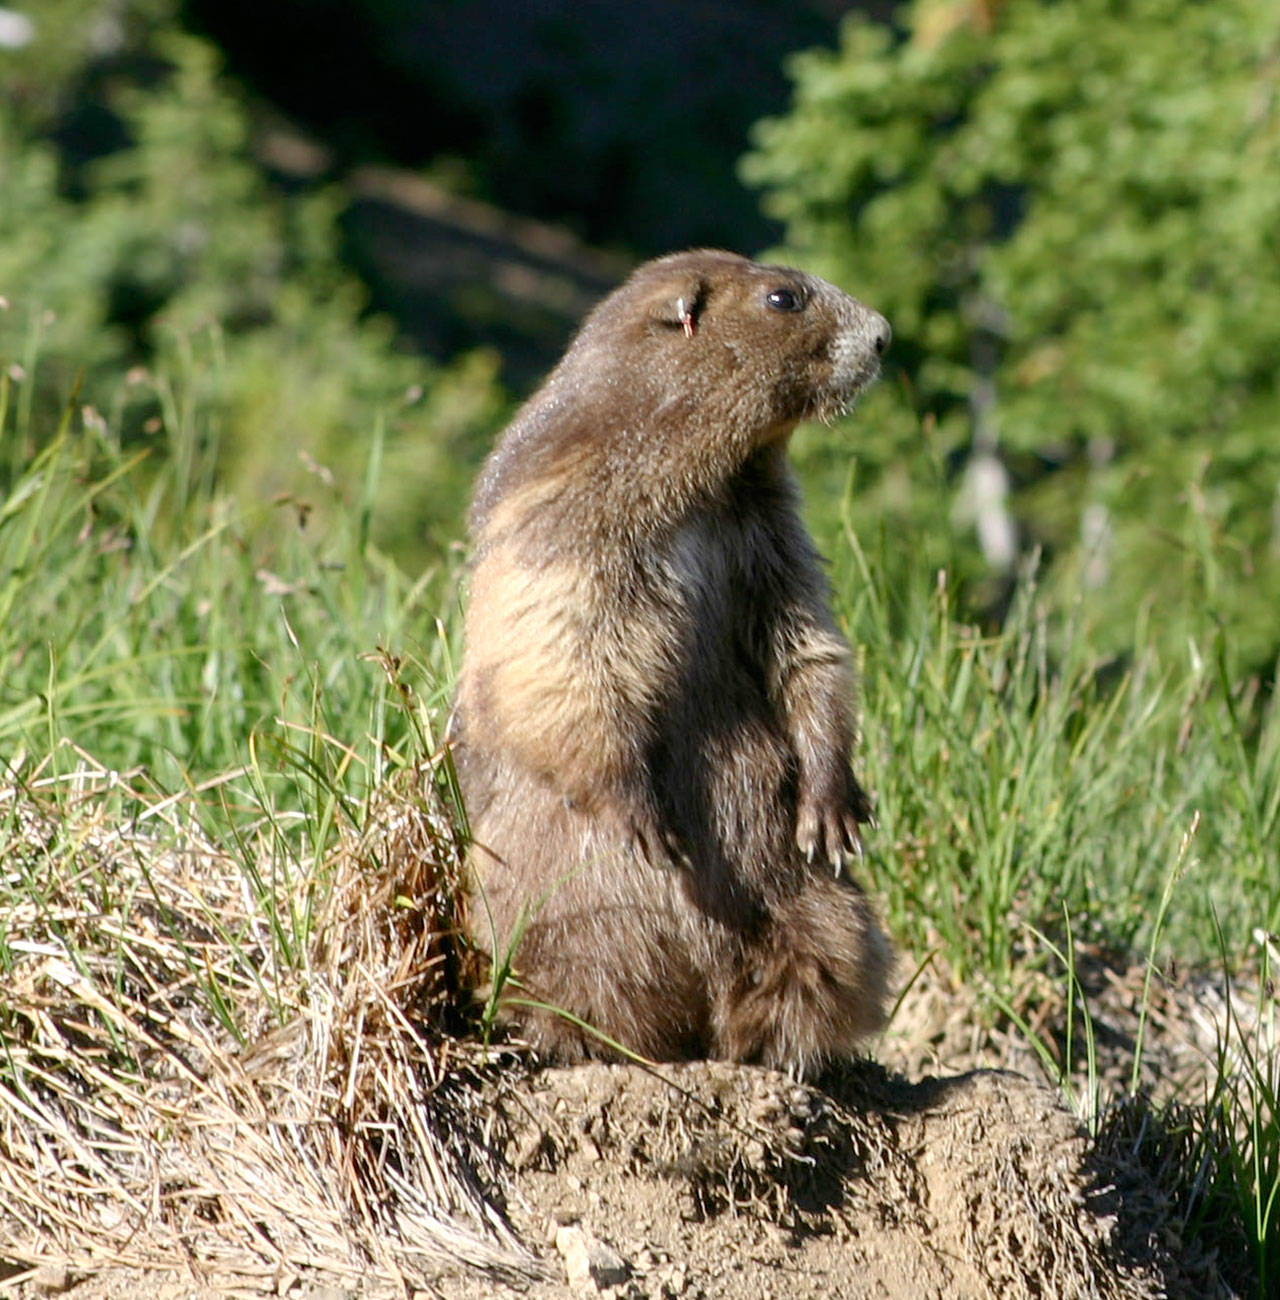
{"x":171,"y":1089}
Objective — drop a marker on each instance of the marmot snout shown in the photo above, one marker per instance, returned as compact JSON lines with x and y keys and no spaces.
{"x":654,"y":715}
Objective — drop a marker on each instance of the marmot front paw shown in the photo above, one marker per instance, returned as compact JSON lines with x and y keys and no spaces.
{"x":827,"y":823}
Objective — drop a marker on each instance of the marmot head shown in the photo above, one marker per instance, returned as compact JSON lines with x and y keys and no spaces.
{"x":761,"y":345}
{"x":674,"y":381}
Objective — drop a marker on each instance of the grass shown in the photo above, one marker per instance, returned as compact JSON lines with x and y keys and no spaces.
{"x":1018,"y":774}
{"x":271,"y":676}
{"x":153,"y":622}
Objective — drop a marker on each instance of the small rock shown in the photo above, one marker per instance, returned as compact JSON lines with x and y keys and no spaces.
{"x":588,"y":1261}
{"x":53,"y":1279}
{"x":529,"y":1150}
{"x":675,"y":1282}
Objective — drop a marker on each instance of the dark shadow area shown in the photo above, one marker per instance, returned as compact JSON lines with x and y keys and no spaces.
{"x":457,"y":274}
{"x":623,"y":121}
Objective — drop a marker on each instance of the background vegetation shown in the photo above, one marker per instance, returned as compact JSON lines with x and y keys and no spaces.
{"x":1070,"y":214}
{"x":1054,"y":529}
{"x":140,"y":241}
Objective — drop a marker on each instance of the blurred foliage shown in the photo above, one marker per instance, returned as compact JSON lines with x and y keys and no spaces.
{"x":1071,"y":215}
{"x":139,"y":236}
{"x":622,"y":120}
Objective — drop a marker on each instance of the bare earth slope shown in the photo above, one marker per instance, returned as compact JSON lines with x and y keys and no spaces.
{"x":736,"y":1182}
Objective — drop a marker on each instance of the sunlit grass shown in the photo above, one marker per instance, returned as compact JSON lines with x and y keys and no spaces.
{"x":1020,"y":777}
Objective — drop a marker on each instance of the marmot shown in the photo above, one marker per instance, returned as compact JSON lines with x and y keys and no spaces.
{"x":654,"y":713}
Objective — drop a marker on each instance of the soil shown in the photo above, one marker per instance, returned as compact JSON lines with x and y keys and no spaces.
{"x":738,"y":1182}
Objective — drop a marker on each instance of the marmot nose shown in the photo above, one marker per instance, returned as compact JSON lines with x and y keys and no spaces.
{"x":881,"y":333}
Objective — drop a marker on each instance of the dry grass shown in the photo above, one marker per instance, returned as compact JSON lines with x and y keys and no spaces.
{"x":169,"y":1090}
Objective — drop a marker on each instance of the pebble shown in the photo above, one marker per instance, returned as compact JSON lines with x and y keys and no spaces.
{"x":590,"y":1264}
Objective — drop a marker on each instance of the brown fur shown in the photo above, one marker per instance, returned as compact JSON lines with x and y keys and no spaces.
{"x":654,"y":714}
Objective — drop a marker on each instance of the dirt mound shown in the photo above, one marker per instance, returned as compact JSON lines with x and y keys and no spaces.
{"x":724,"y":1181}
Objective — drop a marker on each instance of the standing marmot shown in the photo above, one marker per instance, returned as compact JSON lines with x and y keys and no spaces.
{"x":654,"y":713}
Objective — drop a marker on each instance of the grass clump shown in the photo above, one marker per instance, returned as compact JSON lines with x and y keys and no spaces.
{"x":167,"y":1091}
{"x":1020,"y":774}
{"x":155,"y":621}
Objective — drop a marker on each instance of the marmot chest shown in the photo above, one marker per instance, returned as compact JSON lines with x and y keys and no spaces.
{"x":713,"y":576}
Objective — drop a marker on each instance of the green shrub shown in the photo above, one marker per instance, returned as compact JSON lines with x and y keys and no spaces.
{"x":173,"y":255}
{"x":1070,"y":220}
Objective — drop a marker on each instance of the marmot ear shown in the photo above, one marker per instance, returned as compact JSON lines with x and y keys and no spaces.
{"x":679,"y":303}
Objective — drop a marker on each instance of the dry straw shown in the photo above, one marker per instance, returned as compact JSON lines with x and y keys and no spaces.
{"x":332,"y":1124}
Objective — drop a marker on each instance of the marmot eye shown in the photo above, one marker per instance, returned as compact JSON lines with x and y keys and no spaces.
{"x":784,"y":300}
